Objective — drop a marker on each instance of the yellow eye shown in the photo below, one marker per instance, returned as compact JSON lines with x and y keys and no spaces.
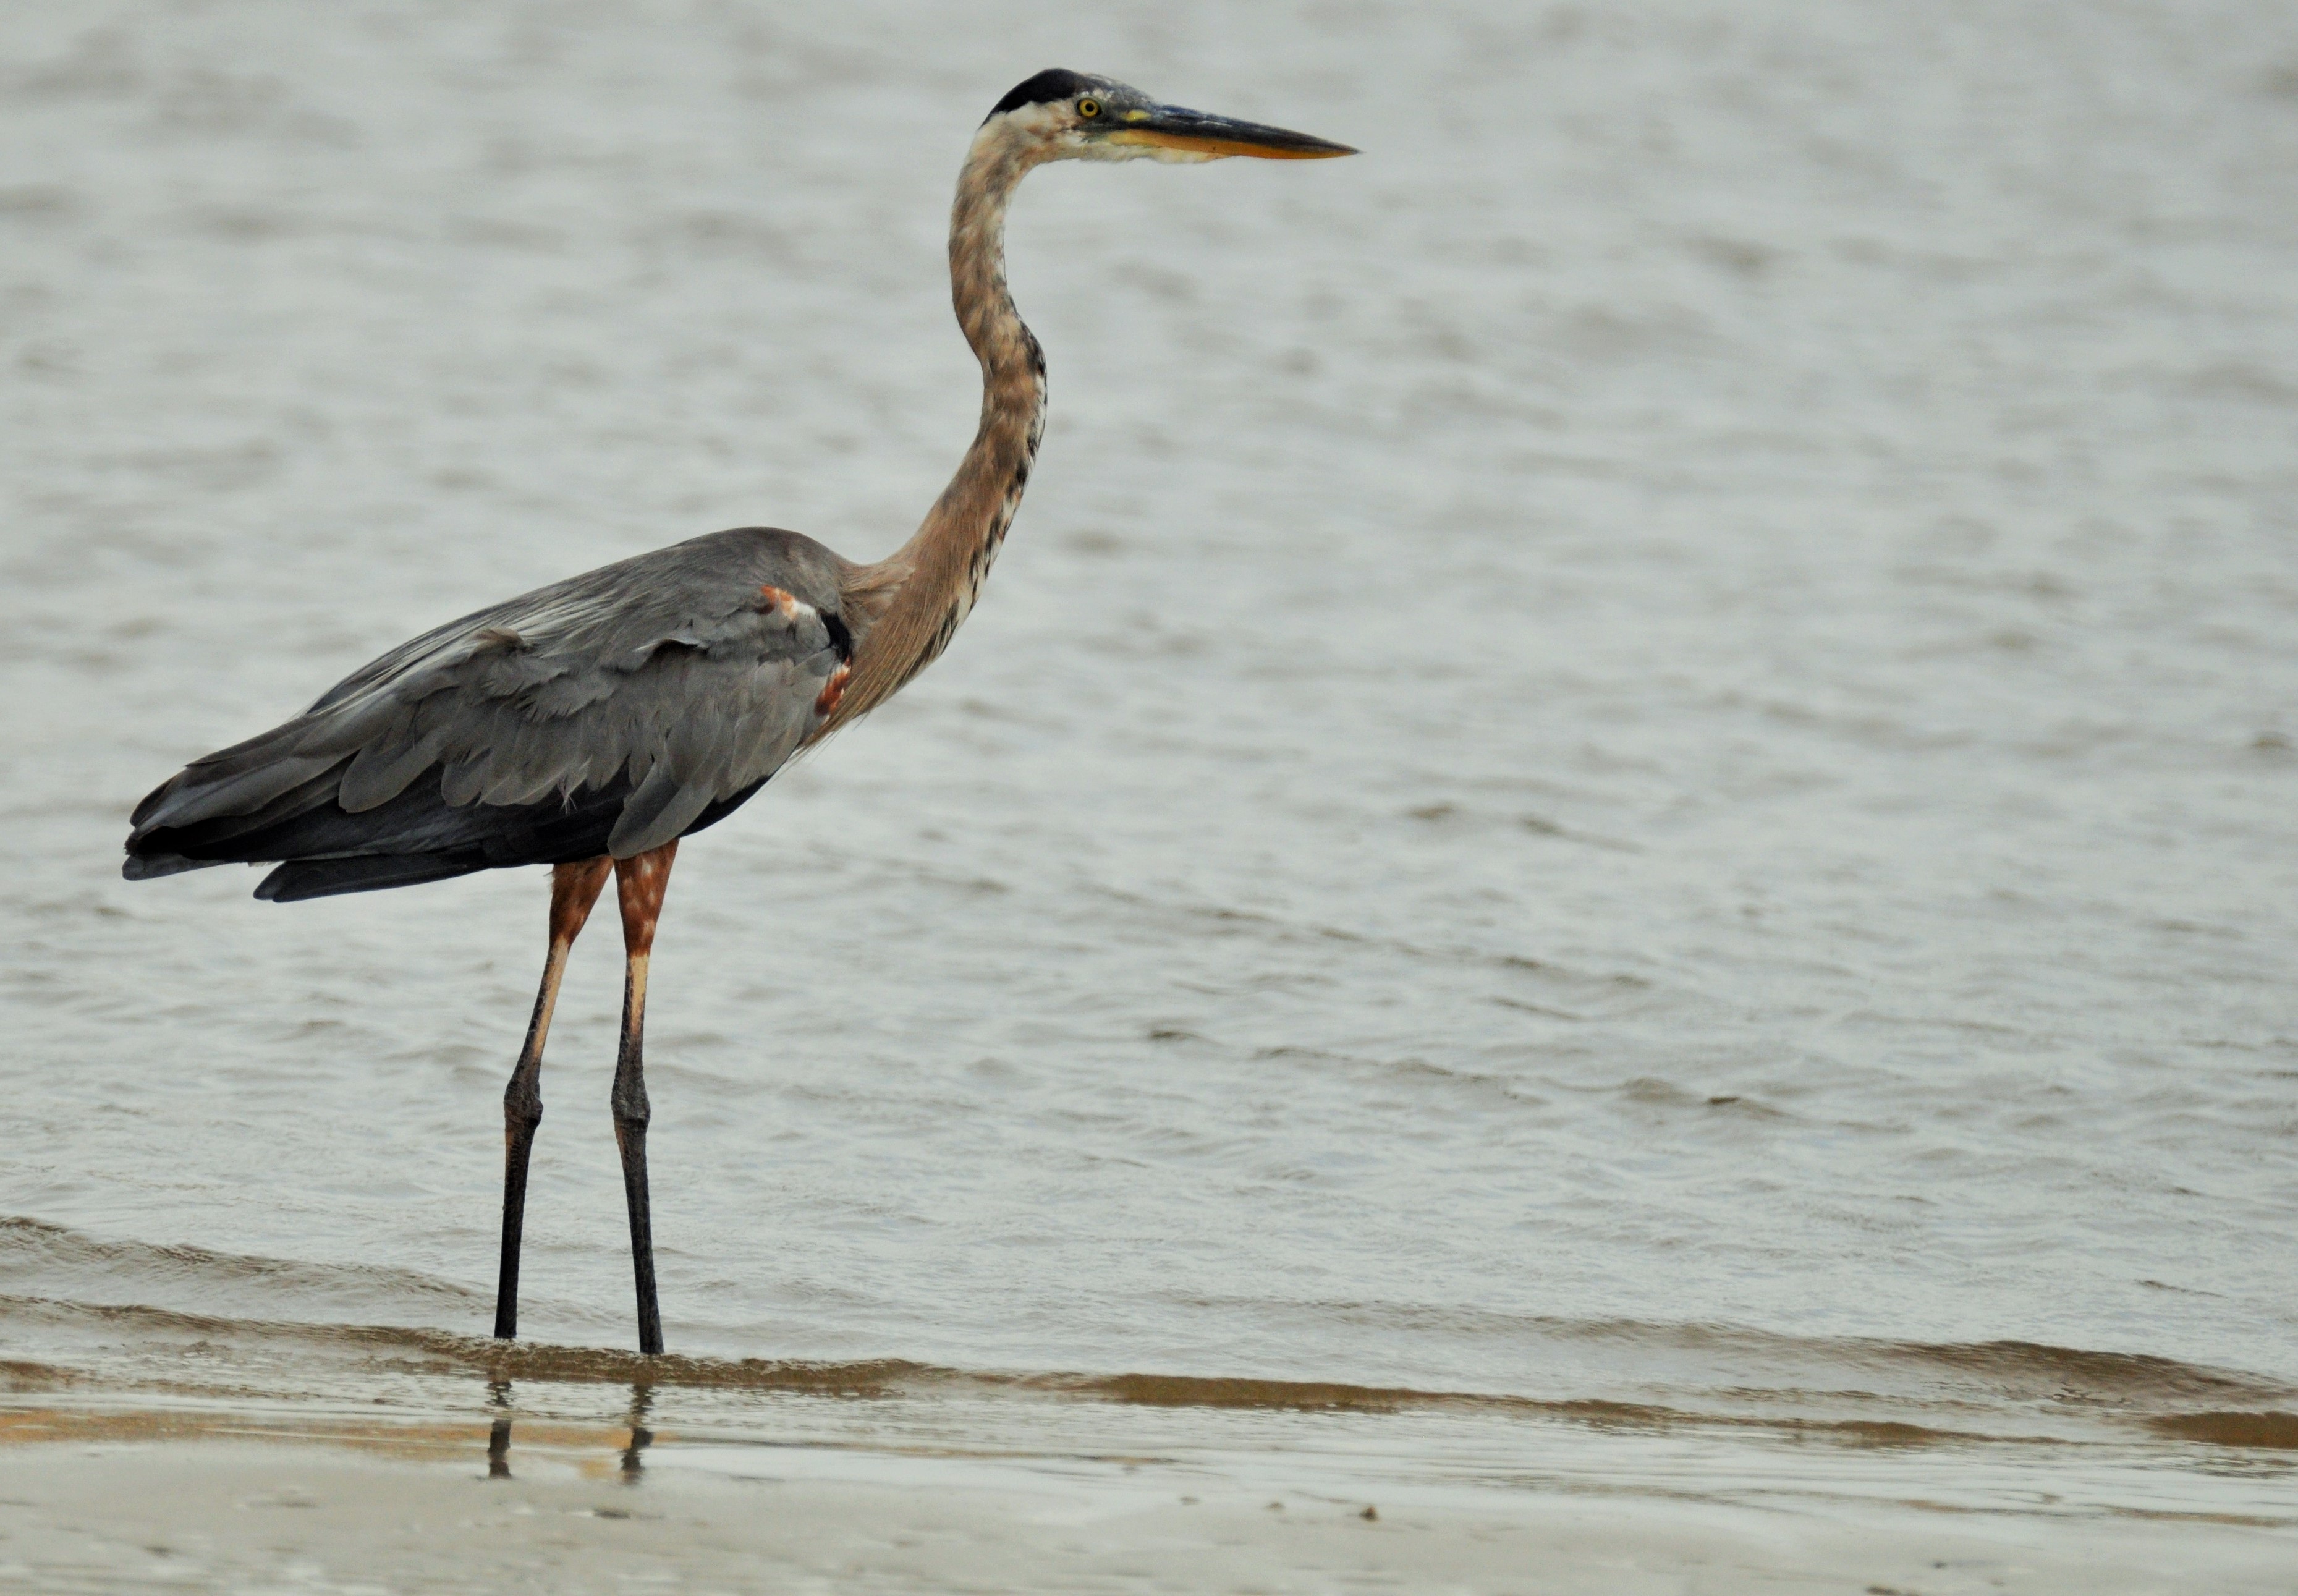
{"x":1088,"y":108}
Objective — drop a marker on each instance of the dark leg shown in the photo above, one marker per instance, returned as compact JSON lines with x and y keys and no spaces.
{"x":573,"y":889}
{"x":640,"y":881}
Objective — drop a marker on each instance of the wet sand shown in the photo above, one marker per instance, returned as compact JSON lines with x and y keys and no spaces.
{"x":222,"y":1506}
{"x":173,"y":1452}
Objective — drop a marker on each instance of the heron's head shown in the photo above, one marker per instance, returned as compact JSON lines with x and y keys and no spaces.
{"x":1076,"y":116}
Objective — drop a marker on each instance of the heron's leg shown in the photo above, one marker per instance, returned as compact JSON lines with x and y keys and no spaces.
{"x":640,"y":881}
{"x":573,"y":889}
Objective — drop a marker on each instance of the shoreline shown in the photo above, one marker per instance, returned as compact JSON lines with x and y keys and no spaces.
{"x":382,"y":1507}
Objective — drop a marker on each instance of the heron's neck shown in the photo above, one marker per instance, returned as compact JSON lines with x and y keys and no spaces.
{"x":909,"y":606}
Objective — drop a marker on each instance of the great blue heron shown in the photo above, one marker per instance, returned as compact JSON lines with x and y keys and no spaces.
{"x":599,"y":720}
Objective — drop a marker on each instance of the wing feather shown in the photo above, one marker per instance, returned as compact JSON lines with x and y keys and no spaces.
{"x":609,"y":713}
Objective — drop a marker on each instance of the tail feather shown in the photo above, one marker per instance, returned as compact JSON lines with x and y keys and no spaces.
{"x":147,"y":867}
{"x":323,"y":848}
{"x":207,"y":837}
{"x":244,"y":776}
{"x":325,"y":878}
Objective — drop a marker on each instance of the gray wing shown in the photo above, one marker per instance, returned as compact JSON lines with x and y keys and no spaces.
{"x":632,"y":700}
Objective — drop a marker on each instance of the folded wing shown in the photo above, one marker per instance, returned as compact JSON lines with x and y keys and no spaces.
{"x":607,"y":713}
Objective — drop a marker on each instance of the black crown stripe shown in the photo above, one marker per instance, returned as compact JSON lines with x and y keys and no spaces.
{"x":1054,"y":83}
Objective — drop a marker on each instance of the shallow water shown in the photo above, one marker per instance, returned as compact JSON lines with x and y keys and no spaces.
{"x":1632,"y":771}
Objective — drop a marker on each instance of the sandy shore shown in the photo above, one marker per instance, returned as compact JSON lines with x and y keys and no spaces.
{"x":569,"y":1509}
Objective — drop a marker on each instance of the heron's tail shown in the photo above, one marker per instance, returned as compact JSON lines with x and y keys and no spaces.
{"x":240,"y":808}
{"x":325,"y":878}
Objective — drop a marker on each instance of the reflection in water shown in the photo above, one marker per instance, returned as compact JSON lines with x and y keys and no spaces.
{"x":641,"y":1399}
{"x":640,"y":1437}
{"x":499,"y":1433}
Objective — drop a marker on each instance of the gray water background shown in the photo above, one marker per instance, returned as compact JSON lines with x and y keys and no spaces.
{"x":1646,"y":735}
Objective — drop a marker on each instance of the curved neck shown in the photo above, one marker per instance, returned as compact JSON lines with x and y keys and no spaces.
{"x":907,"y":607}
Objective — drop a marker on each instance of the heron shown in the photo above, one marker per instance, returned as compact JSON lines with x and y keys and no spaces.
{"x":592,"y":724}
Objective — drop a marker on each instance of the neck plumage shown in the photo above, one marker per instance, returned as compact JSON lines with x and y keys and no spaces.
{"x":905,"y":609}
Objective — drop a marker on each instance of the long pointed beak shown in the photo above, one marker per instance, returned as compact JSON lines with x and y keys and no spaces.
{"x":1199,"y":135}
